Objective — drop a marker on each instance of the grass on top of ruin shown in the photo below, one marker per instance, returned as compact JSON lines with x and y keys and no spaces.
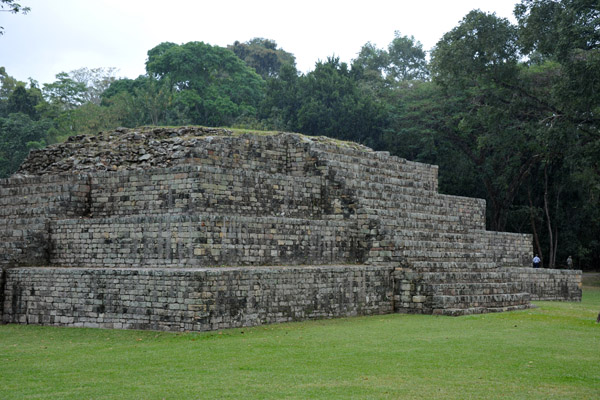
{"x":550,"y":352}
{"x":233,"y":131}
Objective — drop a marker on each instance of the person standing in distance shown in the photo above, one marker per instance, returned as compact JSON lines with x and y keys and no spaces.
{"x":536,"y":261}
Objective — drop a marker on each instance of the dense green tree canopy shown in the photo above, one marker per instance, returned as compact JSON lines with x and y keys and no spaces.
{"x":372,"y":60}
{"x":478,"y":62}
{"x":555,"y":28}
{"x":213,"y":86}
{"x":279,"y":108}
{"x":18,"y":134}
{"x":482,"y":48}
{"x":24,"y":101}
{"x":7,"y":84}
{"x":331,"y":103}
{"x":404,"y":60}
{"x":65,"y":92}
{"x":263,"y":55}
{"x":530,"y":128}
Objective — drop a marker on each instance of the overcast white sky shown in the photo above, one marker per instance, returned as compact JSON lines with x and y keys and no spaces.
{"x":63,"y":35}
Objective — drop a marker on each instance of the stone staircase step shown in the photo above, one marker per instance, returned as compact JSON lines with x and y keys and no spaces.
{"x":199,"y":240}
{"x":364,"y":158}
{"x":455,"y":312}
{"x":406,"y":220}
{"x":410,"y":203}
{"x":368,"y":180}
{"x":461,"y":276}
{"x":454,"y":215}
{"x":381,"y":163}
{"x":435,"y":236}
{"x":404,"y":216}
{"x":432,"y":266}
{"x":423,"y":253}
{"x":437,"y":245}
{"x":481,"y":300}
{"x":423,"y":225}
{"x":473,"y":288}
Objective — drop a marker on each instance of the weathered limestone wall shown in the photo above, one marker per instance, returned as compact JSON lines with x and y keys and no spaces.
{"x":192,"y":299}
{"x":209,"y":190}
{"x":410,"y":222}
{"x":347,"y":161}
{"x":47,"y":196}
{"x":24,"y":241}
{"x":508,"y":249}
{"x":458,"y":292}
{"x":418,"y":209}
{"x":27,"y":207}
{"x":202,"y":240}
{"x":549,"y":284}
{"x":280,"y":176}
{"x":201,"y":299}
{"x":142,"y":149}
{"x":133,"y":217}
{"x":469,"y":292}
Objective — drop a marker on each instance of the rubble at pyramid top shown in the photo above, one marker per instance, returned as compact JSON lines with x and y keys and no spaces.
{"x":135,"y":148}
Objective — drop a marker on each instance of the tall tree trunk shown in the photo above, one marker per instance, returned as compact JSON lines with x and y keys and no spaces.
{"x":548,"y":221}
{"x":556,"y":224}
{"x":536,"y":238}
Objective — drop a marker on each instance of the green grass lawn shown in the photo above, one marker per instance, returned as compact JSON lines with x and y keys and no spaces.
{"x":551,"y":352}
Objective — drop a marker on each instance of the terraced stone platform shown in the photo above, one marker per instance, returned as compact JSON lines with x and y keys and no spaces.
{"x":141,"y":222}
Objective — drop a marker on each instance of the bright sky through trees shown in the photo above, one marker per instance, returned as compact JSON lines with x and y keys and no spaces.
{"x":64,"y":35}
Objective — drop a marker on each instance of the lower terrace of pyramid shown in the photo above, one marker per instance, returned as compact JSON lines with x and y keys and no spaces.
{"x":195,"y":198}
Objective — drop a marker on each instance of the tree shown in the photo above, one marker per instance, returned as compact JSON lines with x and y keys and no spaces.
{"x":7,"y":84}
{"x":22,"y":126}
{"x":24,"y":101}
{"x":332,"y":104}
{"x":563,"y":37}
{"x":369,"y":70}
{"x":279,"y":109}
{"x":212,"y":85}
{"x":263,"y":55}
{"x":12,"y":7}
{"x":482,"y":49}
{"x":74,"y":103}
{"x":65,"y":92}
{"x":121,"y":98}
{"x":567,"y":32}
{"x":404,"y":60}
{"x":372,"y":60}
{"x":407,"y":59}
{"x":18,"y":134}
{"x":554,"y":28}
{"x":142,"y":101}
{"x":123,"y":85}
{"x":478,"y":61}
{"x":529,"y":128}
{"x":96,"y":81}
{"x":422,"y":117}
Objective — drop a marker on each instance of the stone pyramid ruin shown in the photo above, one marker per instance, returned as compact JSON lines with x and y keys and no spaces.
{"x":198,"y":228}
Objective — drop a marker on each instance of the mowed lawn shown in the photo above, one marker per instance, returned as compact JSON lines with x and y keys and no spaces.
{"x":551,"y":352}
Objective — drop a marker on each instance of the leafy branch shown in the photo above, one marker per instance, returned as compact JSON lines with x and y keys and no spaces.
{"x":13,"y":8}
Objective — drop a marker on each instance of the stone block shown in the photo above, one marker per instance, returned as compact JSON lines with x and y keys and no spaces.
{"x":419,"y":299}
